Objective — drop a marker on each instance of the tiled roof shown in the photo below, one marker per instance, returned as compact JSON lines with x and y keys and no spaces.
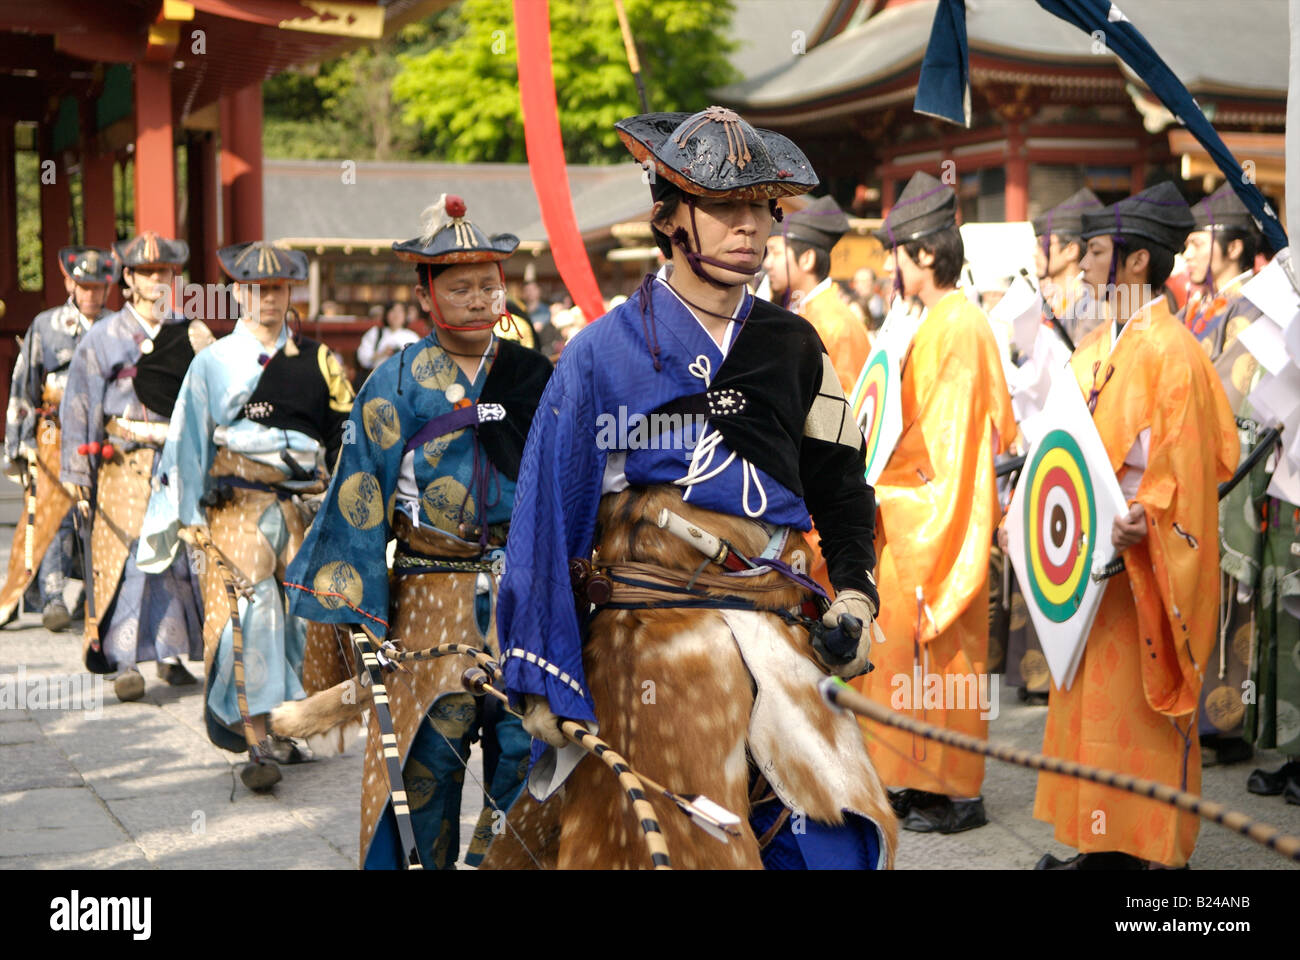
{"x":312,"y":198}
{"x":1188,"y":34}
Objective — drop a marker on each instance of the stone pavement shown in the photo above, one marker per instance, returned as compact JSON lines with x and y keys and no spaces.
{"x":138,"y":785}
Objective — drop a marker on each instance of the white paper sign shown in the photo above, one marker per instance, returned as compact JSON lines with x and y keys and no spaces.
{"x":1021,"y":310}
{"x":1271,"y":290}
{"x":1265,"y":341}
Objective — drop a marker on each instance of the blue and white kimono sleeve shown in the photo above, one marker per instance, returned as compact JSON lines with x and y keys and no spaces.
{"x":81,"y":413}
{"x":339,"y":574}
{"x":554,"y":518}
{"x":183,"y":469}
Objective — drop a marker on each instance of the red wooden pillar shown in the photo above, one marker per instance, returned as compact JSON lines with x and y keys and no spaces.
{"x":886,"y":195}
{"x":56,"y":213}
{"x":1016,"y":199}
{"x":155,"y":153}
{"x":8,"y":214}
{"x":201,"y":153}
{"x":14,"y":318}
{"x":241,"y":165}
{"x":97,"y":199}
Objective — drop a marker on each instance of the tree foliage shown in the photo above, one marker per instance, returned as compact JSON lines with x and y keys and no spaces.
{"x":344,"y":107}
{"x":463,"y":94}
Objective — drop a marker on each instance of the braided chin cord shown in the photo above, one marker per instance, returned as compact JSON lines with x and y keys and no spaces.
{"x":694,"y":259}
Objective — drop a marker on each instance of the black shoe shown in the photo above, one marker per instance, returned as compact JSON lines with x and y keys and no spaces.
{"x":1291,"y":794}
{"x":946,"y":815}
{"x":1049,"y":862}
{"x":1111,"y":860}
{"x":13,"y":615}
{"x":1230,"y":750}
{"x":1034,"y":698}
{"x":967,"y":815}
{"x":928,"y":814}
{"x":1270,"y":783}
{"x":55,"y":617}
{"x":904,"y":800}
{"x":175,"y":674}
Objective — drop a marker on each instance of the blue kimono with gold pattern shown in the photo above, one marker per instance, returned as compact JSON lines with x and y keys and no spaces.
{"x":455,"y":484}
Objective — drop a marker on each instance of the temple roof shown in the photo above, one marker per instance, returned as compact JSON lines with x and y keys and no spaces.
{"x":888,"y":47}
{"x":308,"y":200}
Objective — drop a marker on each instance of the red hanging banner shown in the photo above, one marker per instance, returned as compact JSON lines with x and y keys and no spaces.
{"x":546,"y":155}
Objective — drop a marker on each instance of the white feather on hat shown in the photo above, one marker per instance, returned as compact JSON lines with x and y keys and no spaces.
{"x":432,"y":219}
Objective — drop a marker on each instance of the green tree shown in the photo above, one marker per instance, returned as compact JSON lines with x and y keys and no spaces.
{"x":344,"y":107}
{"x":464,"y":93}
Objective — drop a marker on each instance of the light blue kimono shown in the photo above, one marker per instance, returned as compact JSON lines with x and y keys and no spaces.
{"x":210,"y":414}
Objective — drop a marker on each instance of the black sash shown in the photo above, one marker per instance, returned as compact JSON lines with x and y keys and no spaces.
{"x":160,"y":372}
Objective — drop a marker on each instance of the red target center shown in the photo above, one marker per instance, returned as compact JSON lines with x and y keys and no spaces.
{"x":1054,"y":526}
{"x":872,"y":397}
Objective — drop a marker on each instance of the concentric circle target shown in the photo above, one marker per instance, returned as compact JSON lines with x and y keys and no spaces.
{"x":1060,"y":526}
{"x":869,"y":403}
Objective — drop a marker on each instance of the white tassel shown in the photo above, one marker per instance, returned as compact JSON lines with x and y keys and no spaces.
{"x":432,"y":219}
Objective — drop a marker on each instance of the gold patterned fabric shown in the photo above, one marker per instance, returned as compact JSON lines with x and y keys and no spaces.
{"x":52,"y":505}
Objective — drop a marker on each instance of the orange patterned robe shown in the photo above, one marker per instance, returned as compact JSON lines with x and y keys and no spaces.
{"x":1132,"y":706}
{"x":938,"y":508}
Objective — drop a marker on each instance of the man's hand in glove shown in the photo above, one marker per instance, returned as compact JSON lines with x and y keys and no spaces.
{"x":858,"y":605}
{"x":540,"y":722}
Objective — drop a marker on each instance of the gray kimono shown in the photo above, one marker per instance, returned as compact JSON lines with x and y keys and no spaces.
{"x":152,"y":616}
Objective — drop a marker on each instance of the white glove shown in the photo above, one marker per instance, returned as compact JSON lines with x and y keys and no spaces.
{"x":540,"y":722}
{"x":856,"y":604}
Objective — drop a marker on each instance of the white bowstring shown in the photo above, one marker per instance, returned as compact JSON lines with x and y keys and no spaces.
{"x":701,"y":466}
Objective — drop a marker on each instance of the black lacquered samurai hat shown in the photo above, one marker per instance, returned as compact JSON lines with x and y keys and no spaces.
{"x":1222,"y":210}
{"x":89,"y":264}
{"x":258,"y":260}
{"x":1159,"y":214}
{"x":924,"y":207}
{"x":151,"y":250}
{"x":450,"y":238}
{"x":715,"y":153}
{"x":820,"y":223}
{"x":1066,"y":218}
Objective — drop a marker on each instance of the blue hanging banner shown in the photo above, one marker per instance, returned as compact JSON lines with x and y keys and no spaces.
{"x":944,"y":86}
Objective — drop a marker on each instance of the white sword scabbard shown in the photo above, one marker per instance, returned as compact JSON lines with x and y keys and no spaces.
{"x":684,"y":530}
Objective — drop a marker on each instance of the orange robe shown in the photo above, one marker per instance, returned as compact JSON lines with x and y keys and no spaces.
{"x":848,"y":345}
{"x":1132,"y":706}
{"x":938,"y":508}
{"x":843,"y":334}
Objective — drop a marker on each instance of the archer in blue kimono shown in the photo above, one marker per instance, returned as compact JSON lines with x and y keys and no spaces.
{"x":437,"y":433}
{"x":259,"y":416}
{"x":117,"y":404}
{"x":696,"y":401}
{"x":32,"y":436}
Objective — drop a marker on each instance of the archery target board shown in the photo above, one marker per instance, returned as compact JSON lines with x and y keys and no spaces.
{"x":1059,"y":527}
{"x":877,"y":407}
